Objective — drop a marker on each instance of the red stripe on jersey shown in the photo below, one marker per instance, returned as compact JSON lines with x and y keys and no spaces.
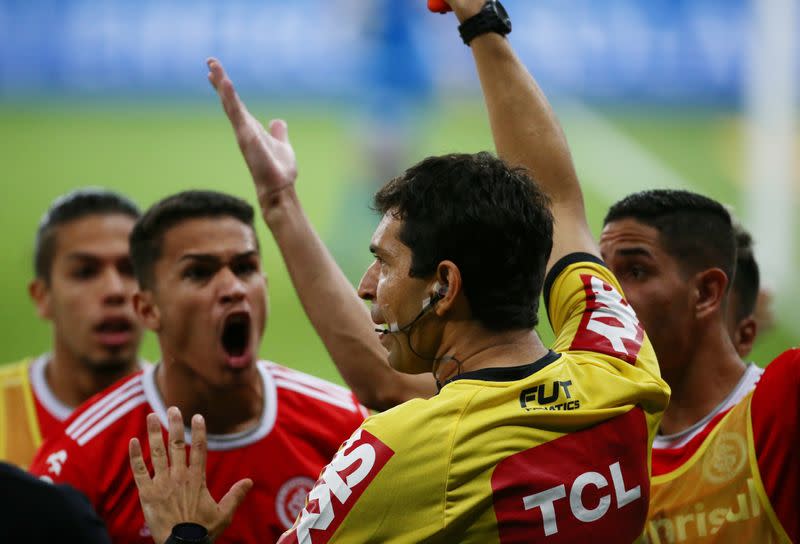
{"x":590,"y":485}
{"x":325,"y":386}
{"x":609,"y":324}
{"x":342,"y":482}
{"x":668,"y":459}
{"x":775,"y":413}
{"x":345,"y":403}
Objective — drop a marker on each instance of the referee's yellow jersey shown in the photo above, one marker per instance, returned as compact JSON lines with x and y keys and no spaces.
{"x":557,"y":450}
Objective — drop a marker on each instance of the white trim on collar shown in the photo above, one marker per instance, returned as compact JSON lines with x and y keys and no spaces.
{"x":42,"y":390}
{"x":221,"y":442}
{"x":747,"y":383}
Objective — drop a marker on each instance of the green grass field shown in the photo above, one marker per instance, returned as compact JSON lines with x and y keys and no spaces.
{"x":150,"y":150}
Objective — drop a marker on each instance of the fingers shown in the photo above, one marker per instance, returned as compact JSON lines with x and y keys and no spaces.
{"x":233,"y":106}
{"x":234,"y":497}
{"x":140,"y":474}
{"x":197,"y":455}
{"x":158,"y":452}
{"x":177,"y":441}
{"x":279,"y":130}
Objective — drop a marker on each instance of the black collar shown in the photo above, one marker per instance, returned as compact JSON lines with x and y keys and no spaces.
{"x":507,"y":373}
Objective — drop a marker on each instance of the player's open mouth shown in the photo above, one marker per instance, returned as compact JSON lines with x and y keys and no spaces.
{"x":236,"y":338}
{"x":114,"y":331}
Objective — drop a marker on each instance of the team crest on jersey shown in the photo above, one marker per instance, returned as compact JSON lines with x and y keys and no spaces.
{"x":726,"y":457}
{"x":609,"y":324}
{"x":291,"y":498}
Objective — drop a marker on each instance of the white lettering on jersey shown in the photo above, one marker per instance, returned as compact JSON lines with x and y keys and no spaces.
{"x":332,"y":483}
{"x":614,"y":306}
{"x":545,"y":500}
{"x":55,"y":461}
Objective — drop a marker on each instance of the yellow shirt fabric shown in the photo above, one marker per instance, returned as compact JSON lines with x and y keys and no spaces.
{"x":554,"y":451}
{"x":716,"y":496}
{"x":20,"y":435}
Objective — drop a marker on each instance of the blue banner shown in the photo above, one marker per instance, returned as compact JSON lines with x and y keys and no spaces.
{"x":658,"y":50}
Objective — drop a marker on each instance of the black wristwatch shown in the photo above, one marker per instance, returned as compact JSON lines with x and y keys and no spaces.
{"x":493,"y":17}
{"x":188,"y":533}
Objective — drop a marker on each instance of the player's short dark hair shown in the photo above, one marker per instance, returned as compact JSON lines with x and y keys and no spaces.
{"x":71,"y":207}
{"x":147,"y":237}
{"x":490,"y":219}
{"x":747,"y":278}
{"x":694,"y":229}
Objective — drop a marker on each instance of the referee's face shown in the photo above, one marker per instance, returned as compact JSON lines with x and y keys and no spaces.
{"x":397,"y":301}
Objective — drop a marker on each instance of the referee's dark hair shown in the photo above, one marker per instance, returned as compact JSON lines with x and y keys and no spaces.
{"x":487,"y":217}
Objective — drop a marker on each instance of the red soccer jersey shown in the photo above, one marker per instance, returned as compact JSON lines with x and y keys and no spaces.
{"x":303,"y":422}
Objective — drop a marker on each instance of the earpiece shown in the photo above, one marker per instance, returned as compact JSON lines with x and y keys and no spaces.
{"x":439,"y":291}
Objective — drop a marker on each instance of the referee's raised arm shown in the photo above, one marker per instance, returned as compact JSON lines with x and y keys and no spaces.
{"x":526,"y":131}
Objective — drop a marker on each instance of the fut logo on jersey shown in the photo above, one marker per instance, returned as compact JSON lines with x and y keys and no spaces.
{"x":589,"y":485}
{"x":609,"y":324}
{"x":342,"y":482}
{"x":537,"y":398}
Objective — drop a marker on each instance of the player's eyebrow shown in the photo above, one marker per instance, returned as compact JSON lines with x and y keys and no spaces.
{"x":203,"y":257}
{"x":81,"y":256}
{"x":634,"y":252}
{"x":246,"y":254}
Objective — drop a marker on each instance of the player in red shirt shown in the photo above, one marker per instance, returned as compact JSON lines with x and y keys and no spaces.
{"x":724,"y":463}
{"x":203,"y":292}
{"x":84,"y":286}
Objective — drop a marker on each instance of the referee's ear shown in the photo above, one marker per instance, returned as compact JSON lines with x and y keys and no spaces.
{"x":147,"y":310}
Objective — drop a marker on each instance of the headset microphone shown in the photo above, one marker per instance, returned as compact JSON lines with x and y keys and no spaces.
{"x":427,"y":304}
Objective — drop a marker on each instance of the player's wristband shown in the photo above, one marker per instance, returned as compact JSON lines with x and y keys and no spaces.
{"x":189,"y":533}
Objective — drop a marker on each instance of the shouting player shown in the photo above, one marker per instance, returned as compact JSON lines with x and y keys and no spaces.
{"x":197,"y":261}
{"x":84,"y":286}
{"x":521,"y":443}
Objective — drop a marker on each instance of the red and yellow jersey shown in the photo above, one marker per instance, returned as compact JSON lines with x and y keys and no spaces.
{"x":303,"y":421}
{"x":738,"y":478}
{"x":554,"y":451}
{"x":29,"y":413}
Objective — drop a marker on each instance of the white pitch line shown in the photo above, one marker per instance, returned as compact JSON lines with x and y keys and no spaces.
{"x":609,"y":160}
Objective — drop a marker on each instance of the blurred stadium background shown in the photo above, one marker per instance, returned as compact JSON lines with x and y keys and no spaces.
{"x":652,"y":94}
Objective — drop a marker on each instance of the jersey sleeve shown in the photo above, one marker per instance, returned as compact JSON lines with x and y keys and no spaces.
{"x":775,"y":416}
{"x":588,"y":312}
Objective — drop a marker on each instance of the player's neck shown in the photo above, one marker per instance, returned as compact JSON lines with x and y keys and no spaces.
{"x":470,"y":347}
{"x":73,"y":381}
{"x":226,"y":410}
{"x":711,"y":371}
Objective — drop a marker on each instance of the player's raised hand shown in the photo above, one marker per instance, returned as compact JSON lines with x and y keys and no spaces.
{"x":268,"y":154}
{"x":177,"y":492}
